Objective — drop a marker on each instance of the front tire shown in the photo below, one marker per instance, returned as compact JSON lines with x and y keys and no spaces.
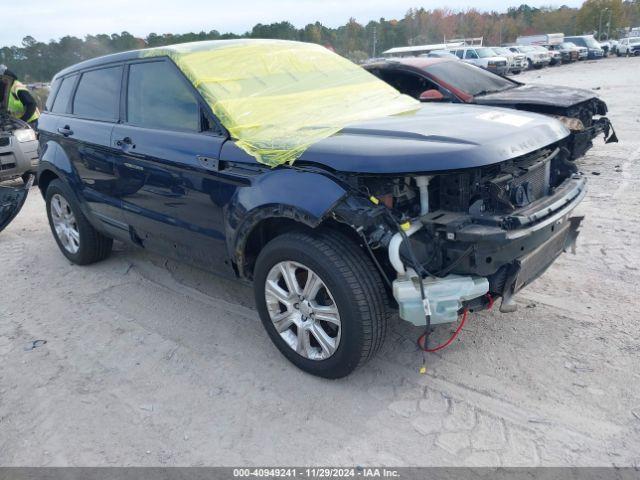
{"x":322,"y":301}
{"x":77,"y":239}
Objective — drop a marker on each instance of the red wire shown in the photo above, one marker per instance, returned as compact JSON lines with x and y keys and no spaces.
{"x":491,"y":301}
{"x":422,"y":337}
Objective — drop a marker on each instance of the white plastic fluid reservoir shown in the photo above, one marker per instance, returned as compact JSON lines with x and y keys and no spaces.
{"x":444,"y":297}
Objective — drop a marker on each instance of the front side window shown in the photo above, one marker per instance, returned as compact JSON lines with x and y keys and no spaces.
{"x":157,"y":97}
{"x":61,"y":102}
{"x":98,"y":94}
{"x":591,"y":42}
{"x":485,"y":52}
{"x":471,"y":54}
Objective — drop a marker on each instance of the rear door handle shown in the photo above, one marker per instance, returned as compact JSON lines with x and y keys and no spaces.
{"x":65,"y":131}
{"x":125,"y":142}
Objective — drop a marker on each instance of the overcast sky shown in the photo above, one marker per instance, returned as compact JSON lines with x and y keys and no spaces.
{"x":52,"y":19}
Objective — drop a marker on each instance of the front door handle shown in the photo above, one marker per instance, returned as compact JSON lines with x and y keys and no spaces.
{"x":65,"y":131}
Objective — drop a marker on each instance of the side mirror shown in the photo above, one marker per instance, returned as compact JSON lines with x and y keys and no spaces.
{"x":432,"y":95}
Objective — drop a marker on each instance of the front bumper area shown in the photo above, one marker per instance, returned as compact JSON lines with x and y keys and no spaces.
{"x":581,"y":141}
{"x":499,"y":69}
{"x":17,"y":158}
{"x":509,"y":251}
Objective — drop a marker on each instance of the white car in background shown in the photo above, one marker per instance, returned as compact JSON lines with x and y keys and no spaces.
{"x":535,"y":58}
{"x":517,"y":61}
{"x":555,"y":57}
{"x":483,"y":57}
{"x":629,"y":46}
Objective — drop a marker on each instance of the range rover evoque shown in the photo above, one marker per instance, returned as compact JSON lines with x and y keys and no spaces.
{"x":283,"y":164}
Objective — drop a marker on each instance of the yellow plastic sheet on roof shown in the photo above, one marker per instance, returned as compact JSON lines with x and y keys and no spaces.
{"x":277,"y":98}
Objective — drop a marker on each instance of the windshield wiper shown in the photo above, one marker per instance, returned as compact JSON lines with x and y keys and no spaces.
{"x":498,"y":90}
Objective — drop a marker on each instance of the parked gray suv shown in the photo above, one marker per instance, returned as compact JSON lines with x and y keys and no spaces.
{"x":18,"y":157}
{"x":18,"y":141}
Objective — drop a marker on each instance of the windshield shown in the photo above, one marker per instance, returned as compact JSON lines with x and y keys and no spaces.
{"x":591,"y":42}
{"x":526,"y":48}
{"x":277,"y":98}
{"x":469,"y":79}
{"x":567,"y":45}
{"x":485,"y":52}
{"x":634,"y":40}
{"x":502,"y":51}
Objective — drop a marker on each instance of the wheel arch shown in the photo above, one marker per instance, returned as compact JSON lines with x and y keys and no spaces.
{"x":252,"y":240}
{"x":45,"y":177}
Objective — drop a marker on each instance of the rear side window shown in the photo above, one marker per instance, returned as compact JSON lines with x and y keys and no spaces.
{"x":98,"y":94}
{"x":158,"y":97}
{"x":61,"y":101}
{"x":53,"y":91}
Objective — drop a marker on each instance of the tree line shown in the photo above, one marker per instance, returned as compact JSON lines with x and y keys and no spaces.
{"x":34,"y":60}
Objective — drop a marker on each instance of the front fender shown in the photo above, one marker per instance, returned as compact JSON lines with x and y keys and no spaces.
{"x":303,"y":196}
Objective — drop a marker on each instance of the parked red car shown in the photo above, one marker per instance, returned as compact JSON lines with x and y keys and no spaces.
{"x":444,"y":80}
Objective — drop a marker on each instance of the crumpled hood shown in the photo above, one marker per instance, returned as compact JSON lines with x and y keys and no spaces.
{"x":438,"y":137}
{"x":554,"y":96}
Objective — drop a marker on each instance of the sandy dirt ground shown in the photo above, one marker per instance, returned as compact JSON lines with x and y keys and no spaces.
{"x":149,"y":362}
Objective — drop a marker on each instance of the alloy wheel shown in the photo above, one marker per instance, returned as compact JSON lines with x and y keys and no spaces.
{"x":64,"y":224}
{"x":303,"y":310}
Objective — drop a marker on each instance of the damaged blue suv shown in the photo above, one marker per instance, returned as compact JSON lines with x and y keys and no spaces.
{"x":283,"y":164}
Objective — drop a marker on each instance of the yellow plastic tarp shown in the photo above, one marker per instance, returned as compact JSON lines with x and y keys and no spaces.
{"x":276,"y":98}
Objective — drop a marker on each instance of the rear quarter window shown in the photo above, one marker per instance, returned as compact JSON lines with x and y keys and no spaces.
{"x":60,"y":103}
{"x":53,"y":91}
{"x":98,"y":94}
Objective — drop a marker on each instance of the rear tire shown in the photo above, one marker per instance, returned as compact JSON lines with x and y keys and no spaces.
{"x":355,"y":291}
{"x":77,"y":239}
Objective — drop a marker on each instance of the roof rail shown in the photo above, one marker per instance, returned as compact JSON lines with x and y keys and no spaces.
{"x":470,"y":42}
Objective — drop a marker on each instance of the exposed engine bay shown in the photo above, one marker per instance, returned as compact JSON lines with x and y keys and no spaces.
{"x":468,"y":236}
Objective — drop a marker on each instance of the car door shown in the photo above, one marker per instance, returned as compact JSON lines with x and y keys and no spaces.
{"x":84,"y":133}
{"x":173,"y":193}
{"x":470,"y":56}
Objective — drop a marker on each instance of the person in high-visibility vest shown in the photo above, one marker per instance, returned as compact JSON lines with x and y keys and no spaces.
{"x":21,"y":104}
